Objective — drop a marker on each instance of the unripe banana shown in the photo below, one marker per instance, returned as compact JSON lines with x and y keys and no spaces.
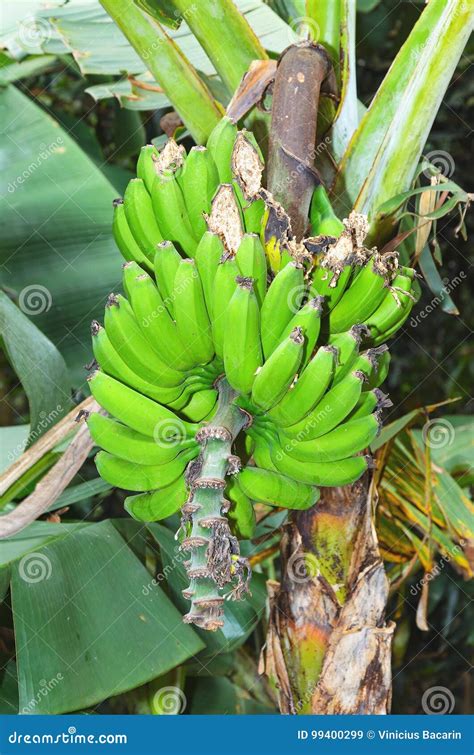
{"x":370,"y":401}
{"x":132,"y":446}
{"x":167,"y":259}
{"x":252,"y":263}
{"x":137,"y":411}
{"x":362,"y":297}
{"x":374,"y":364}
{"x":323,"y":220}
{"x":325,"y":282}
{"x":128,"y":340}
{"x":308,"y":318}
{"x":146,"y":165}
{"x":201,"y":405}
{"x":112,"y":363}
{"x":159,"y":504}
{"x":276,"y":489}
{"x":242,"y":512}
{"x":242,"y":347}
{"x":224,"y":286}
{"x":310,"y":387}
{"x":325,"y":474}
{"x":125,"y":239}
{"x":332,"y":409}
{"x":156,"y":324}
{"x":220,"y":145}
{"x":397,"y":301}
{"x":347,"y":345}
{"x":170,"y":210}
{"x":278,"y":372}
{"x":141,"y":218}
{"x":347,"y":439}
{"x":280,"y":304}
{"x":208,"y":255}
{"x":131,"y":476}
{"x":199,"y":181}
{"x":194,"y":327}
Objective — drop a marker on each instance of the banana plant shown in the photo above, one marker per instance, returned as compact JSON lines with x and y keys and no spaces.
{"x":243,"y":363}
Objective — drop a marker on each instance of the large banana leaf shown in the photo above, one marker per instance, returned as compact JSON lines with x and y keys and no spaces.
{"x":77,"y":634}
{"x":383,"y":155}
{"x":38,"y":364}
{"x":55,"y":226}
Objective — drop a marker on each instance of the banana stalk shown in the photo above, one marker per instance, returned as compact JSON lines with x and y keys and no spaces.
{"x":174,"y":73}
{"x":225,"y":35}
{"x":215,"y":559}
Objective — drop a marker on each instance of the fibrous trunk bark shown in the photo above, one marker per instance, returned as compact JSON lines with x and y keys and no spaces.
{"x":328,"y":646}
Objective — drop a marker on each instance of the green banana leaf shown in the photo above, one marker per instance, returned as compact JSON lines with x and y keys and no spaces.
{"x":383,"y":154}
{"x":56,"y":227}
{"x":37,"y":362}
{"x":87,"y":641}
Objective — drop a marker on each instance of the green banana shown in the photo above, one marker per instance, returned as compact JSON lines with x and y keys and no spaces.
{"x":370,"y":401}
{"x":252,"y":263}
{"x":138,"y":412}
{"x":280,"y":304}
{"x":310,"y":387}
{"x":347,"y":439}
{"x":125,"y":239}
{"x":278,"y":372}
{"x":201,"y":405}
{"x":146,"y":165}
{"x":159,"y":504}
{"x":330,"y":284}
{"x":242,"y":512}
{"x":261,"y":456}
{"x":208,"y":255}
{"x":276,"y":489}
{"x":363,"y":295}
{"x":141,"y":218}
{"x":221,"y":145}
{"x":396,"y":302}
{"x":308,"y":318}
{"x":224,"y":287}
{"x":166,"y":262}
{"x":242,"y":347}
{"x":192,"y":321}
{"x":156,"y":324}
{"x":171,"y":213}
{"x":199,"y":181}
{"x":128,"y":340}
{"x":347,"y":345}
{"x":374,"y":364}
{"x":325,"y":473}
{"x":112,"y":363}
{"x":132,"y":446}
{"x":323,"y":220}
{"x":131,"y":476}
{"x":332,"y":409}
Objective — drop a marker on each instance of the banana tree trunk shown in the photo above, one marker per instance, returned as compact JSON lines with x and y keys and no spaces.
{"x":328,"y":647}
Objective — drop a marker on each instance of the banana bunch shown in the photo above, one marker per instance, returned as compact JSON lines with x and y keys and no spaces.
{"x":231,"y":335}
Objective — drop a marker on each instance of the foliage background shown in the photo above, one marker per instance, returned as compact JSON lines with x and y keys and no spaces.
{"x":430,"y":362}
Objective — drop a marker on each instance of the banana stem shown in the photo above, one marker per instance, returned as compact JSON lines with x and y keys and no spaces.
{"x":179,"y":80}
{"x":214,"y":552}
